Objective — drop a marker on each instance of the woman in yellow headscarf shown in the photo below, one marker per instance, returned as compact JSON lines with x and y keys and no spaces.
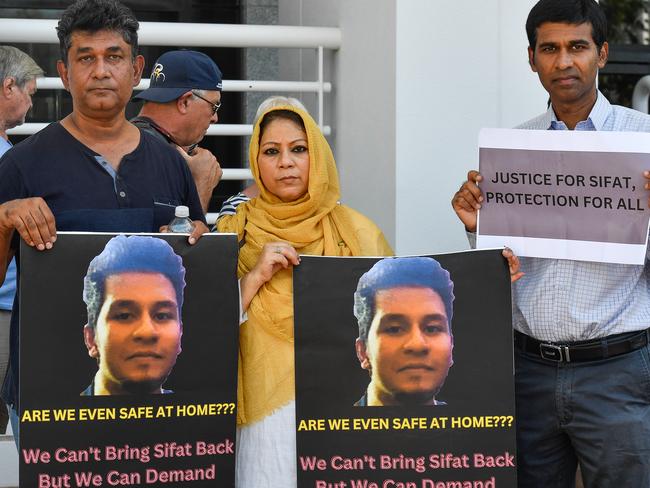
{"x":297,"y":212}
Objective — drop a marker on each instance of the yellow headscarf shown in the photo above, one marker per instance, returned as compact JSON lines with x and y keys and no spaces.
{"x":313,"y":224}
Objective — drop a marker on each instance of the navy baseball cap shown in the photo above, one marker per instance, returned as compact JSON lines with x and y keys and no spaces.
{"x":177,"y":72}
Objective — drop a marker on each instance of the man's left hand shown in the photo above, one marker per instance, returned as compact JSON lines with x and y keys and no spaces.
{"x":513,"y":264}
{"x":199,"y":229}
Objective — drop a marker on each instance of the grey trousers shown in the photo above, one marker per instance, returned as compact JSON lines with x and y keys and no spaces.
{"x":594,"y":413}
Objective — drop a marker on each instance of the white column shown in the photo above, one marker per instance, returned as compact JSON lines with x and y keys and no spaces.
{"x":460,"y":66}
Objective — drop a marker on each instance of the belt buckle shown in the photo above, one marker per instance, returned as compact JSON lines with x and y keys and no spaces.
{"x":555,"y":353}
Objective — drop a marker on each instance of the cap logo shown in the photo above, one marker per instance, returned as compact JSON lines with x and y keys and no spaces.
{"x":157,"y":73}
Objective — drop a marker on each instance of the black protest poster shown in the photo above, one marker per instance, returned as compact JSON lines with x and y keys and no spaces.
{"x":128,"y":361}
{"x":389,"y":392}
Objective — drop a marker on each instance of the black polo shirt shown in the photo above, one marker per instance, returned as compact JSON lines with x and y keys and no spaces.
{"x":86,"y":194}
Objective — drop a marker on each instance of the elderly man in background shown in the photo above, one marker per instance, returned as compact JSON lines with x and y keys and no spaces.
{"x":18,"y":73}
{"x":181,"y":102}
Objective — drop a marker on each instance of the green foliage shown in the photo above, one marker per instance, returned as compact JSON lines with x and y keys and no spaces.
{"x":626,"y":23}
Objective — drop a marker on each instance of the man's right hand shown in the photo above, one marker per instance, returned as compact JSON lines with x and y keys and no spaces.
{"x":32,"y":219}
{"x":467,"y":201}
{"x":206,"y":172}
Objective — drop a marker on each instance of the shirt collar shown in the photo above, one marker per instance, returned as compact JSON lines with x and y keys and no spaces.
{"x":363,"y":401}
{"x":596,"y":119}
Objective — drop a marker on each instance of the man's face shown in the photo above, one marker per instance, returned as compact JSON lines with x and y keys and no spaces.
{"x":200,"y":116}
{"x":409,"y":346}
{"x":567,"y":60}
{"x":138,"y":332}
{"x":100,"y":73}
{"x":21,"y":102}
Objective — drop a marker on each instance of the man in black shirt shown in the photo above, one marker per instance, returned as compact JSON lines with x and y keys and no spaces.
{"x":93,"y":170}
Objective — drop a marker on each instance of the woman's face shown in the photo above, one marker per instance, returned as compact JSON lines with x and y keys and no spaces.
{"x":283,"y":160}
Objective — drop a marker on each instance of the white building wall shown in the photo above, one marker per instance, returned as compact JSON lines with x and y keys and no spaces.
{"x":365,"y":108}
{"x":414,"y":82}
{"x":458,"y":69}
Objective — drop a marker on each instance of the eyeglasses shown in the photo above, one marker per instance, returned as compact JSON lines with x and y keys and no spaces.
{"x":215,"y":106}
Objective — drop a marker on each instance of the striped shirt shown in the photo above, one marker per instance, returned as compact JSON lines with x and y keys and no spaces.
{"x":229,"y":207}
{"x":562,"y":300}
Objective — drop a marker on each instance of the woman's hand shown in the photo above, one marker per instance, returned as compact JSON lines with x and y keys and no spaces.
{"x":274,"y":257}
{"x":513,"y":264}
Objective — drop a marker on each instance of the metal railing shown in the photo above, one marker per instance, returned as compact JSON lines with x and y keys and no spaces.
{"x":189,"y":34}
{"x":205,"y":35}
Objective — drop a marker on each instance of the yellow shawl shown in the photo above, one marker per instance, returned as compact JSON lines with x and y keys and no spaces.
{"x":314,"y":224}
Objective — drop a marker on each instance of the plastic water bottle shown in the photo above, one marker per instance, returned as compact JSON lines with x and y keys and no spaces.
{"x":181,"y":223}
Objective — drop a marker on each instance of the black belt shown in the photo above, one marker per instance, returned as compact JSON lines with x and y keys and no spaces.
{"x":593,"y":350}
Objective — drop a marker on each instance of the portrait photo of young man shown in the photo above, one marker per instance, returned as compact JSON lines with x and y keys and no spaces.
{"x":134,"y":297}
{"x":404,"y":308}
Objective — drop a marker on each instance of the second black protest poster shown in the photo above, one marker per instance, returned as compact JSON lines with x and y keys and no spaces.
{"x":128,"y":361}
{"x":403,"y":386}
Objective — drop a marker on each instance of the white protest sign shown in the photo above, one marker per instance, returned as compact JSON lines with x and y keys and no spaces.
{"x":565,"y":194}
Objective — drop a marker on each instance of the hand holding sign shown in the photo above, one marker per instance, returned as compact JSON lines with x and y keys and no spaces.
{"x":467,"y":201}
{"x":563,"y":195}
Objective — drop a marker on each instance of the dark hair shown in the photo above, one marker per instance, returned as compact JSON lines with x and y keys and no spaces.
{"x":400,"y":272}
{"x":134,"y":254}
{"x":93,"y":16}
{"x":567,"y":12}
{"x":280,"y":114}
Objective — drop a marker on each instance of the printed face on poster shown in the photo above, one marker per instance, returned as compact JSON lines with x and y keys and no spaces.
{"x":404,"y":373}
{"x":128,"y":353}
{"x":565,"y":194}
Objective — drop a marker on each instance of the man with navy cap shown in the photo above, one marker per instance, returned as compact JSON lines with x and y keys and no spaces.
{"x":181,"y":102}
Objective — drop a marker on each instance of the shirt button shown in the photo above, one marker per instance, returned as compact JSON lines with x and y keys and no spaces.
{"x":122,"y":194}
